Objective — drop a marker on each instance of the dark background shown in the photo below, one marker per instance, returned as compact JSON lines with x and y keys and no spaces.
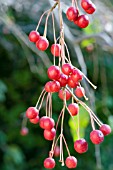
{"x":23,"y":75}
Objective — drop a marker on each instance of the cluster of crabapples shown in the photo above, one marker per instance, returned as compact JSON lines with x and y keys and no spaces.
{"x":72,"y":14}
{"x":65,"y":80}
{"x":68,"y":76}
{"x":80,"y":145}
{"x":81,"y":21}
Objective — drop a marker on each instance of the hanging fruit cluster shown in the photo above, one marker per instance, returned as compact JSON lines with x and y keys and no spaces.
{"x":65,"y":79}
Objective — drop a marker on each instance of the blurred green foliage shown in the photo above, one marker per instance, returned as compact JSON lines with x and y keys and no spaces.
{"x":22,"y":77}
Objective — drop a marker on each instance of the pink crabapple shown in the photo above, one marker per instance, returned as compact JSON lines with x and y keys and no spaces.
{"x":42,"y":44}
{"x":32,"y":113}
{"x":34,"y":36}
{"x":96,"y":136}
{"x":71,"y":162}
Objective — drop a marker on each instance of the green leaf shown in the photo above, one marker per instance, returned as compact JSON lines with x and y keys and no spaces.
{"x":14,"y":154}
{"x":3,"y":90}
{"x":110,"y":121}
{"x":83,"y":123}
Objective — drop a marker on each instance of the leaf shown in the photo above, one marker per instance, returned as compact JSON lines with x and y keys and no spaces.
{"x":110,"y":121}
{"x":14,"y":154}
{"x":87,"y":42}
{"x":83,"y":123}
{"x":3,"y":90}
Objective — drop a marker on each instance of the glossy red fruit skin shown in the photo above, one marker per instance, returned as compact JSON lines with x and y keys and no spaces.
{"x":55,"y":86}
{"x":24,"y":131}
{"x":53,"y":72}
{"x":57,"y":151}
{"x":35,"y":120}
{"x":72,"y":14}
{"x":73,"y":108}
{"x":86,"y":4}
{"x":46,"y":123}
{"x":32,"y":113}
{"x":49,"y":163}
{"x":76,"y":75}
{"x":105,"y":129}
{"x":61,"y":95}
{"x":79,"y":91}
{"x":81,"y":146}
{"x":41,"y":122}
{"x":42,"y":44}
{"x":34,"y":36}
{"x":48,"y":86}
{"x":71,"y":83}
{"x":83,"y":21}
{"x":49,"y":134}
{"x":71,"y":162}
{"x":56,"y":50}
{"x":67,"y":69}
{"x":91,"y":10}
{"x":96,"y":136}
{"x":63,"y":80}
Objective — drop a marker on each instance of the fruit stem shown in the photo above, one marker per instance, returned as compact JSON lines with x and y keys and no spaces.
{"x":42,"y":101}
{"x":78,"y":120}
{"x":40,"y":97}
{"x":47,"y":99}
{"x":53,"y":20}
{"x":66,"y":145}
{"x":45,"y":30}
{"x":83,"y":92}
{"x":61,"y":34}
{"x":92,"y":121}
{"x":53,"y":146}
{"x":76,"y":4}
{"x":86,"y":107}
{"x":69,"y":60}
{"x":95,"y":87}
{"x":41,"y":20}
{"x":61,"y":143}
{"x":73,"y":120}
{"x":24,"y":121}
{"x":72,"y":96}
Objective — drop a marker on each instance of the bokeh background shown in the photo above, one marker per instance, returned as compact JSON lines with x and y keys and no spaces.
{"x":23,"y":75}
